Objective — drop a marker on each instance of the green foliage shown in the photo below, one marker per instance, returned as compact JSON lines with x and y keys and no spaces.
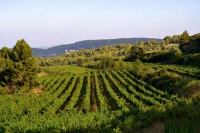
{"x":171,"y":39}
{"x":21,"y":51}
{"x":109,"y":63}
{"x":18,"y":67}
{"x":163,"y":43}
{"x":169,"y":82}
{"x":18,"y":109}
{"x":184,"y":125}
{"x":138,"y":68}
{"x":2,"y":64}
{"x":124,"y":101}
{"x":168,"y":78}
{"x":86,"y":44}
{"x":192,"y":47}
{"x":195,"y":36}
{"x":114,"y":99}
{"x":167,"y":40}
{"x":135,"y":53}
{"x":80,"y":62}
{"x":178,"y":55}
{"x":184,"y":117}
{"x":106,"y":62}
{"x":89,"y":57}
{"x":156,"y":57}
{"x":191,"y":89}
{"x":5,"y":52}
{"x":184,"y":38}
{"x":120,"y":64}
{"x":2,"y":90}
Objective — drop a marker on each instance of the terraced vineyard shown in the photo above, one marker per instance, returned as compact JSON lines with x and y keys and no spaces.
{"x":88,"y":101}
{"x":183,"y":70}
{"x":109,"y":90}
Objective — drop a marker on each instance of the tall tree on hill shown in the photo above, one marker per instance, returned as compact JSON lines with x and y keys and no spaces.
{"x":163,"y":43}
{"x":20,"y":67}
{"x":21,"y":51}
{"x":185,"y":38}
{"x":24,"y":63}
{"x":168,"y":40}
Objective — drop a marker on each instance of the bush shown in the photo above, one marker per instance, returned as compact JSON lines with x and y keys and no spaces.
{"x":3,"y":90}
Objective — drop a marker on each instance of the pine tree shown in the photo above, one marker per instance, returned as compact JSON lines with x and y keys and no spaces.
{"x":185,"y":38}
{"x":5,"y":52}
{"x":24,"y":63}
{"x":163,"y":43}
{"x":20,"y":67}
{"x":22,"y":51}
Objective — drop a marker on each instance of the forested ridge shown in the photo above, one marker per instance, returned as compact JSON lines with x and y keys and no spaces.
{"x":86,"y":44}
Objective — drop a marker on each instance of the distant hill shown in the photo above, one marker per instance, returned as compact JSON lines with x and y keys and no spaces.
{"x":86,"y":44}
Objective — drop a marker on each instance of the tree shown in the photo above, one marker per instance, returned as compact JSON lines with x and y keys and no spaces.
{"x":137,"y":52}
{"x":163,"y":43}
{"x":22,"y":51}
{"x":163,"y":48}
{"x":176,"y":39}
{"x":178,"y":56}
{"x":24,"y":63}
{"x":168,"y":40}
{"x":5,"y":52}
{"x":185,"y":38}
{"x":106,"y":62}
{"x":20,"y":67}
{"x":80,"y":61}
{"x":2,"y":64}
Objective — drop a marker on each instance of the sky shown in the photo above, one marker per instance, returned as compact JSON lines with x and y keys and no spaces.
{"x":55,"y":22}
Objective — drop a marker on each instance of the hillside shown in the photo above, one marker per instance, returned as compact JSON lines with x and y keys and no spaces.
{"x":192,"y":47}
{"x":77,"y":99}
{"x":86,"y":44}
{"x":94,"y":90}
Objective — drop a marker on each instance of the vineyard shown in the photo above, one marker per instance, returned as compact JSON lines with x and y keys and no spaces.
{"x":193,"y":72}
{"x":85,"y":101}
{"x":99,"y":91}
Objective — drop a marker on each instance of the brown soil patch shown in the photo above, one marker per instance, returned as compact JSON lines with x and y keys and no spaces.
{"x":155,"y":128}
{"x":37,"y":91}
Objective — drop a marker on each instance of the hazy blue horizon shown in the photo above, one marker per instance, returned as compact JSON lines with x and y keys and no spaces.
{"x":47,"y":23}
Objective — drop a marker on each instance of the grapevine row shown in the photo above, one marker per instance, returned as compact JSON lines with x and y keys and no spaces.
{"x":146,"y":99}
{"x":146,"y":85}
{"x":120,"y":101}
{"x":86,"y":104}
{"x":187,"y":71}
{"x":49,"y":98}
{"x":140,"y":88}
{"x":58,"y":102}
{"x":103,"y":105}
{"x":75,"y":97}
{"x":130,"y":97}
